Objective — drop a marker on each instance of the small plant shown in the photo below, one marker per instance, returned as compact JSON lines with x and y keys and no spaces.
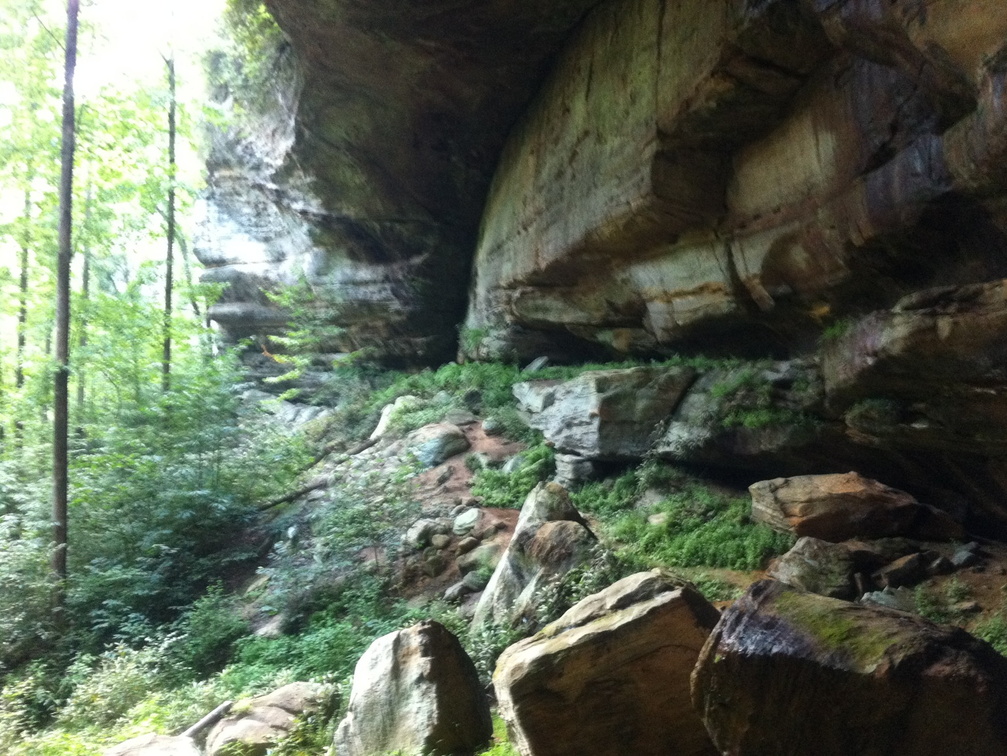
{"x":501,"y":741}
{"x":836,"y":330}
{"x":994,"y":631}
{"x":509,"y":490}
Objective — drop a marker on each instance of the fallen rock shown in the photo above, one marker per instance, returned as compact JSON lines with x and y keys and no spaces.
{"x":827,"y":569}
{"x":257,"y":724}
{"x":572,"y":470}
{"x":433,"y":444}
{"x":466,"y":522}
{"x":389,"y":411}
{"x":421,"y":532}
{"x":837,"y":507}
{"x":904,"y":572}
{"x":550,"y":539}
{"x":154,"y":745}
{"x":415,"y":692}
{"x":787,"y":672}
{"x":604,"y":414}
{"x":611,"y":676}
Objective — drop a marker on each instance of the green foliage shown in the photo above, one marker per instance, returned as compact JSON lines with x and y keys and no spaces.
{"x":939,"y":606}
{"x":207,"y":632}
{"x":509,"y":490}
{"x":246,"y":67}
{"x":836,"y":330}
{"x":874,"y":414}
{"x":994,"y":631}
{"x":501,"y":742}
{"x":715,"y":589}
{"x":25,"y":590}
{"x":701,"y":527}
{"x":105,"y":688}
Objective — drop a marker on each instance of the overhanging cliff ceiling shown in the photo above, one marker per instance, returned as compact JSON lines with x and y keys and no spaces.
{"x":670,"y":166}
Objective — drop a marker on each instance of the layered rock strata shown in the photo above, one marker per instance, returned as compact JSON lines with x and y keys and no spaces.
{"x":745,"y":169}
{"x":368,"y":174}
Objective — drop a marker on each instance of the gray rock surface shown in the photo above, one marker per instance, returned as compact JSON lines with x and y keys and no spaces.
{"x":415,"y":692}
{"x":550,"y":538}
{"x":611,"y":414}
{"x":154,"y":745}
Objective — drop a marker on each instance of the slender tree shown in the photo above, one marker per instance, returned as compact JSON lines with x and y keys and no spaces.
{"x":169,"y":258}
{"x":60,"y":454}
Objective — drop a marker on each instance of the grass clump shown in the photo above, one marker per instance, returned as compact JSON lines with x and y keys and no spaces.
{"x":501,"y":741}
{"x":993,"y":630}
{"x":699,"y":527}
{"x":509,"y":490}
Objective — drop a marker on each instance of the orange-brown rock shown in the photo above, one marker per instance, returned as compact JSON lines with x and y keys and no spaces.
{"x":787,"y":672}
{"x":611,"y":676}
{"x":838,"y":507}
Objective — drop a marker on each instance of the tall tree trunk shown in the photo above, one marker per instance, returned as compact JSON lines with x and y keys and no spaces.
{"x":169,"y":260}
{"x":60,"y":456}
{"x":22,"y":310}
{"x":85,"y":298}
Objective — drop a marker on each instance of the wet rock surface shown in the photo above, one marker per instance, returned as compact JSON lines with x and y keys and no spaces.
{"x":890,"y":682}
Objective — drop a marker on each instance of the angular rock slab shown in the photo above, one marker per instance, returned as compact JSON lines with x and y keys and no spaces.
{"x":154,"y":745}
{"x":605,"y":414}
{"x":826,"y":568}
{"x":259,"y":723}
{"x":415,"y":692}
{"x":837,"y":507}
{"x":550,"y":539}
{"x":786,"y":672}
{"x":611,"y":676}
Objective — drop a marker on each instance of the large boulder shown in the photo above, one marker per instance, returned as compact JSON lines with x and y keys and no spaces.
{"x":611,"y":676}
{"x":433,"y":444}
{"x":787,"y":672}
{"x":550,"y":539}
{"x":415,"y":692}
{"x":837,"y":507}
{"x":605,"y":414}
{"x":831,"y":569}
{"x":154,"y":745}
{"x":257,"y":724}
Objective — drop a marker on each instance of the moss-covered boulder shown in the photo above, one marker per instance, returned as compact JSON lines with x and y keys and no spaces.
{"x":788,"y":672}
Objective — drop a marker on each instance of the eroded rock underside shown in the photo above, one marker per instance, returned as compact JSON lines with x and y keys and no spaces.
{"x":646,"y":176}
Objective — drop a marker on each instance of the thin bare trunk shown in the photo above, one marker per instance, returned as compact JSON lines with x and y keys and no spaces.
{"x":168,"y":279}
{"x":60,"y":454}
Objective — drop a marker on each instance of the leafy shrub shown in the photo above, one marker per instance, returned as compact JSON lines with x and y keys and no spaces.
{"x":994,"y":631}
{"x":508,"y":490}
{"x":701,"y":528}
{"x":107,"y":687}
{"x":206,"y":634}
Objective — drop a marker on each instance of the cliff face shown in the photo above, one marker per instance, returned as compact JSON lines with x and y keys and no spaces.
{"x":641,"y":176}
{"x":371,"y":180}
{"x":748,"y":169}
